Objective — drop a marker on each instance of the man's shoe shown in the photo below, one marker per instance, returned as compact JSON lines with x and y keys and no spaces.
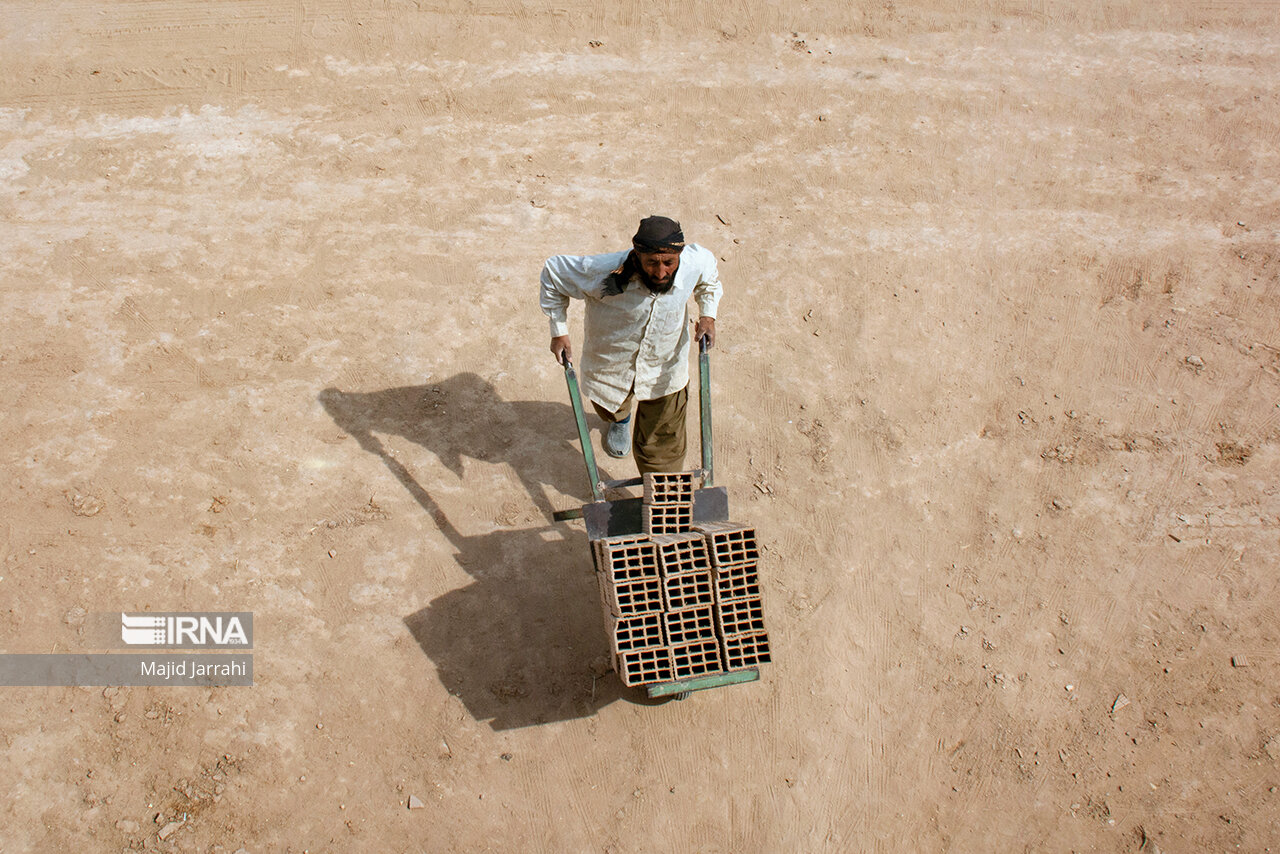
{"x":617,"y":440}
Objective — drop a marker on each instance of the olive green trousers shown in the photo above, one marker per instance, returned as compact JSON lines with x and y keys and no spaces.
{"x":658,"y":431}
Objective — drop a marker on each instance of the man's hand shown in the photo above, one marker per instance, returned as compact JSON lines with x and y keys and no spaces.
{"x":560,"y":348}
{"x":705,"y":328}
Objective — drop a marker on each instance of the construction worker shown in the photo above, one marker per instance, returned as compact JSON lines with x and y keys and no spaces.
{"x":635,"y":359}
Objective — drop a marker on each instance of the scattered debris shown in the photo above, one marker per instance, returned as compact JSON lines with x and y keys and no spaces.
{"x":1195,"y":362}
{"x":1233,"y":453}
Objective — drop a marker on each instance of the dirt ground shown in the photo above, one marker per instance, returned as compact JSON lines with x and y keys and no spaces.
{"x":997,"y":381}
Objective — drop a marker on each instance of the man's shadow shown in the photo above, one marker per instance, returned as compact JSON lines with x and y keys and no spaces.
{"x":521,"y":645}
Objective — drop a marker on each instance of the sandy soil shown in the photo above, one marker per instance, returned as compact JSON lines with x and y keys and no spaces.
{"x":998,"y":383}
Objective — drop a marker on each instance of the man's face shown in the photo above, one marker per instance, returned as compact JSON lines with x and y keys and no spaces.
{"x":660,"y":268}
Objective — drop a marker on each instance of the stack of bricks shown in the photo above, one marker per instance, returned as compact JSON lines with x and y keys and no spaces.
{"x":681,"y":600}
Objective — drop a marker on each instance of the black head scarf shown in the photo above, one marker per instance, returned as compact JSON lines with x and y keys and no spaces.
{"x":658,"y":234}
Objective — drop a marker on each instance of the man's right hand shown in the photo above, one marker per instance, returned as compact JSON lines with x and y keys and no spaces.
{"x":560,"y":348}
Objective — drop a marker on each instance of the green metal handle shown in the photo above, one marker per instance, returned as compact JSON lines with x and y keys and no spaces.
{"x":588,"y":454}
{"x":704,"y":414}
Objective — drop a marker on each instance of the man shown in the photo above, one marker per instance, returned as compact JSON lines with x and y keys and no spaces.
{"x":636,"y":343}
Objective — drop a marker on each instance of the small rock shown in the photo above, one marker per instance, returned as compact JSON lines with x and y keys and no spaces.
{"x":1070,"y":687}
{"x":332,"y":553}
{"x":1239,"y":661}
{"x":1120,"y":703}
{"x":83,"y":505}
{"x":1195,"y":362}
{"x":169,"y":829}
{"x":415,"y":803}
{"x":507,"y":757}
{"x":127,"y":825}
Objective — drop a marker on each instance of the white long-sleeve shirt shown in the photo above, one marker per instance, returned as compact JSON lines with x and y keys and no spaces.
{"x":636,"y":341}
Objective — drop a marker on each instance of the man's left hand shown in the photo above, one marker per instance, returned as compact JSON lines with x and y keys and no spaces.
{"x":705,"y":328}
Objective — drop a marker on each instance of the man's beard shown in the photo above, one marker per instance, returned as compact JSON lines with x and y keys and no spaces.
{"x":653,"y":286}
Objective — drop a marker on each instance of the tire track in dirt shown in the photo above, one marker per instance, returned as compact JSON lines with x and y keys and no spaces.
{"x":143,"y":329}
{"x":535,"y":792}
{"x":1168,"y":492}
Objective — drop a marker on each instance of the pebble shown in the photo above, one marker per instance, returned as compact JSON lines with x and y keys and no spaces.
{"x":415,"y":803}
